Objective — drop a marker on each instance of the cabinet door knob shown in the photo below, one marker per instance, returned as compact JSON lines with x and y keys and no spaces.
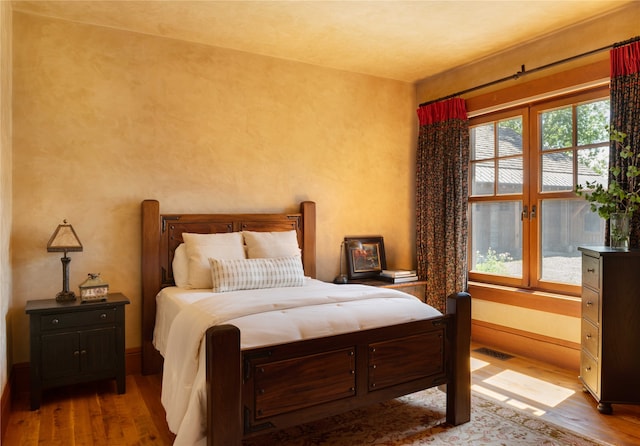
{"x":589,"y":303}
{"x":55,"y":321}
{"x":591,"y":270}
{"x":588,"y":336}
{"x":76,"y":353}
{"x":103,"y":316}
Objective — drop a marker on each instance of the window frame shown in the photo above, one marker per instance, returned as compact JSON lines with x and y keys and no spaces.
{"x":532,"y":193}
{"x":523,"y":196}
{"x":536,"y":187}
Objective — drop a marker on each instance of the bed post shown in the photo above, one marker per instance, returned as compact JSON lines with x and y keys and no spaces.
{"x":224,"y":391}
{"x":308,"y":211}
{"x":151,"y":359}
{"x":459,"y":385}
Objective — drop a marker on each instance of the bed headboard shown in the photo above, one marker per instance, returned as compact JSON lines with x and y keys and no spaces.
{"x":162,"y":233}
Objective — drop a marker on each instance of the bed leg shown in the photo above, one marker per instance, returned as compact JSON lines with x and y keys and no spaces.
{"x":459,"y":384}
{"x":224,"y":381}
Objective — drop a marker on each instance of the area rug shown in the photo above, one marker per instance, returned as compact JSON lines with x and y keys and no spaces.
{"x":419,"y":419}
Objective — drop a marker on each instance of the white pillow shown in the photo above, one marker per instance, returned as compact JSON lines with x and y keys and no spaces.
{"x":271,"y":244}
{"x":200,"y":247}
{"x":251,"y":274}
{"x":180,"y":266}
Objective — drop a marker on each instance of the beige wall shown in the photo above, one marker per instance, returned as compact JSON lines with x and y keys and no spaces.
{"x":104,"y":119}
{"x":591,"y":35}
{"x":5,"y":188}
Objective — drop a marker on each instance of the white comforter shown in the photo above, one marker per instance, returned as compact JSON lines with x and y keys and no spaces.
{"x":265,"y":317}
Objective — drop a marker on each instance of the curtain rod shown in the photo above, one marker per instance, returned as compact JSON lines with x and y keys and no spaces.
{"x":524,"y":72}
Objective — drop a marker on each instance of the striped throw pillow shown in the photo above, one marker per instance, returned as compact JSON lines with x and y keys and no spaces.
{"x":250,"y":274}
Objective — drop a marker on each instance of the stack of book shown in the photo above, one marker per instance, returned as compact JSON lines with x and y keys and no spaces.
{"x":398,"y":275}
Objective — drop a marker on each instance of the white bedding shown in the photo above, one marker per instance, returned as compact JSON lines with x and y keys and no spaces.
{"x":264,"y":317}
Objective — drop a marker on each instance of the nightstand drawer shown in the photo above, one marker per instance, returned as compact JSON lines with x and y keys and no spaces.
{"x":77,"y":319}
{"x":417,"y":288}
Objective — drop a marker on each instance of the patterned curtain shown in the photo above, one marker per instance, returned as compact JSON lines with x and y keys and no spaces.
{"x":625,"y":108}
{"x":441,"y":199}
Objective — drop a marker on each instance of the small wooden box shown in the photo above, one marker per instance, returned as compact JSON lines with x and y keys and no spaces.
{"x":93,"y":289}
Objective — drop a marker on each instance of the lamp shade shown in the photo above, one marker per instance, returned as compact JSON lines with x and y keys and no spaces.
{"x":64,"y":239}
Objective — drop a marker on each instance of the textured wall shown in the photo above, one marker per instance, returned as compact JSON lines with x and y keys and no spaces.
{"x":104,"y":119}
{"x":5,"y":186}
{"x":602,"y":31}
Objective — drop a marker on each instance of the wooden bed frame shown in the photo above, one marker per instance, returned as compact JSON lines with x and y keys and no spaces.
{"x":253,"y":391}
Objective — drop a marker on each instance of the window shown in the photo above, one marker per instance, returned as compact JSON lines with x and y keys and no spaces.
{"x":526,"y":221}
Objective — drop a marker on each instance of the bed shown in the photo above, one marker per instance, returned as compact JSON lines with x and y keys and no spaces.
{"x":251,"y":389}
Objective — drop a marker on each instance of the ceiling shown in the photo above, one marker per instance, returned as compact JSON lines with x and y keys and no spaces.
{"x":402,"y":40}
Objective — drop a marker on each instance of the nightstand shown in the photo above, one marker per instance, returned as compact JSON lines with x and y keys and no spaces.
{"x":75,"y":342}
{"x":417,"y":288}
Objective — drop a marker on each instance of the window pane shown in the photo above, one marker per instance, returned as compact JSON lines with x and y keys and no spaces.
{"x":557,"y":128}
{"x":496,"y":238}
{"x":557,"y":171}
{"x":482,"y":142}
{"x":593,"y":165}
{"x":593,"y":120}
{"x":510,"y":176}
{"x":510,"y":137}
{"x":567,"y":224}
{"x":484,"y":177}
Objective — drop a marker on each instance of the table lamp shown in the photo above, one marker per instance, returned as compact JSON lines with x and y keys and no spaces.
{"x":352,"y":244}
{"x":64,"y":239}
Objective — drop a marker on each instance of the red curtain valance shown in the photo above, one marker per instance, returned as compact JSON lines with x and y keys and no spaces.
{"x":625,"y":59}
{"x":453,"y":108}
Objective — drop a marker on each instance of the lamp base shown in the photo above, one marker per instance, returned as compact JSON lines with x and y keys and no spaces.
{"x":65,"y":296}
{"x":342,"y":278}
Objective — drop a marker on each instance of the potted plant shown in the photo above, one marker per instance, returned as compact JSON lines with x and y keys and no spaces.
{"x":615,"y":203}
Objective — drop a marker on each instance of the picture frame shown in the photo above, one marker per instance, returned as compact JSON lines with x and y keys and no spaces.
{"x":365,"y":256}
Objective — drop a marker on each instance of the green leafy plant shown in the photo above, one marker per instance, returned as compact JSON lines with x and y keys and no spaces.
{"x":615,"y":199}
{"x":493,"y":262}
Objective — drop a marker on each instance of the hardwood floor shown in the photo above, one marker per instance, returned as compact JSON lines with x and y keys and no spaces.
{"x":554,"y":394}
{"x":93,"y":414}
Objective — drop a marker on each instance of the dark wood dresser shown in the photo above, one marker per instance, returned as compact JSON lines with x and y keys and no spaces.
{"x":75,"y":342}
{"x":610,"y":355}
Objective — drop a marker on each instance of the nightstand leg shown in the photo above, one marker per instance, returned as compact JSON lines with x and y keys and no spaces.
{"x":36,"y":395}
{"x":121,"y":383}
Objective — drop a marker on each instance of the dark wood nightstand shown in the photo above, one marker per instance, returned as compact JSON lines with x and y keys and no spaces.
{"x":75,"y":342}
{"x":417,"y":288}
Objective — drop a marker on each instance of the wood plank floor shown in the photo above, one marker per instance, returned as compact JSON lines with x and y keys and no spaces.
{"x":93,"y":414}
{"x":554,"y":394}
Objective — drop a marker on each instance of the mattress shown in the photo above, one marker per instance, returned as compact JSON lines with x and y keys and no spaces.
{"x":264,"y":317}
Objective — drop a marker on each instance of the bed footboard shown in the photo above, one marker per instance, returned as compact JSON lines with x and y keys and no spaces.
{"x":270,"y":388}
{"x":459,"y":385}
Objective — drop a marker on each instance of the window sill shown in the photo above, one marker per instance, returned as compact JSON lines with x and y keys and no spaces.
{"x":535,"y":300}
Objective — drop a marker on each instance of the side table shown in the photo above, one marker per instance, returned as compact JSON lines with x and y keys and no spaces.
{"x":417,"y":288}
{"x":75,"y":342}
